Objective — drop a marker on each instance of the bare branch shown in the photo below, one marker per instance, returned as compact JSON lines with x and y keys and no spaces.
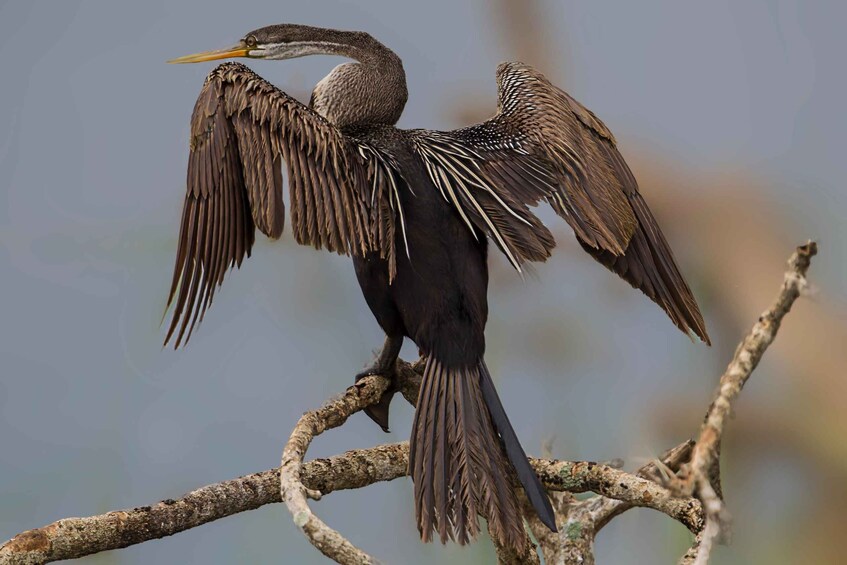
{"x":620,"y":485}
{"x":579,"y":521}
{"x":700,"y":477}
{"x":550,"y":543}
{"x":509,"y":556}
{"x":294,"y":493}
{"x":693,"y":551}
{"x":75,"y":537}
{"x":603,"y":509}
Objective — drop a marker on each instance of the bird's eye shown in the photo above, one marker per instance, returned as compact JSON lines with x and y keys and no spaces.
{"x":250,"y":41}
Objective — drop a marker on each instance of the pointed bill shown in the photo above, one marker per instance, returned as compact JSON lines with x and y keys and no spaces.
{"x":235,"y":51}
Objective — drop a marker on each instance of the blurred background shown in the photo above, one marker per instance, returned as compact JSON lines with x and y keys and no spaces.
{"x":731,"y":115}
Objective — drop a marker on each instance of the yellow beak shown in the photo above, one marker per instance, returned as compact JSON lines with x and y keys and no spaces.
{"x":236,"y":51}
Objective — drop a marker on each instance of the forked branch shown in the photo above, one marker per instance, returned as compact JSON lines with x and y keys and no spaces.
{"x":677,"y":494}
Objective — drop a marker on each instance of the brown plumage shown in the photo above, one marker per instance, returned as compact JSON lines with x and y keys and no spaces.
{"x":242,"y":130}
{"x":456,"y":473}
{"x":415,"y":209}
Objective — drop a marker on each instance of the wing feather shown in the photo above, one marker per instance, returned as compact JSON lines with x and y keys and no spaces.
{"x":242,"y":130}
{"x":462,"y":174}
{"x":542,"y":145}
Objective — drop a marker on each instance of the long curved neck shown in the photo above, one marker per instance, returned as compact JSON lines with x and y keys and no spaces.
{"x":356,"y":45}
{"x":371,"y":91}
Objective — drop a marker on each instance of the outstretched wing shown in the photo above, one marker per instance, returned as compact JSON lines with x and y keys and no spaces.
{"x":485,"y":183}
{"x":544,"y":145}
{"x":242,"y":129}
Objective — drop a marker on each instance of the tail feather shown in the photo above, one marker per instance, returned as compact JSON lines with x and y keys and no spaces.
{"x":419,"y":451}
{"x":459,"y":466}
{"x":441,"y":463}
{"x":526,"y":474}
{"x":499,"y":494}
{"x":465,"y":529}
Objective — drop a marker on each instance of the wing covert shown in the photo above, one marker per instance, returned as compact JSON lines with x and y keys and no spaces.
{"x":588,"y":179}
{"x":461,"y":172}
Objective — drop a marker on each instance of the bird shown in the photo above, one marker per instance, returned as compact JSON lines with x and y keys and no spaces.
{"x":416,"y":210}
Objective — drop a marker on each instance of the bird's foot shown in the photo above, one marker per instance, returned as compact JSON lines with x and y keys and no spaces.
{"x":379,"y":412}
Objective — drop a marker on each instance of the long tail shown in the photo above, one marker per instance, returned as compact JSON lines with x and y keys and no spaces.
{"x":461,"y":449}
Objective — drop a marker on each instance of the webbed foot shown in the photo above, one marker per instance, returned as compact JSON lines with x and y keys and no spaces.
{"x":386,"y":366}
{"x":379,"y":412}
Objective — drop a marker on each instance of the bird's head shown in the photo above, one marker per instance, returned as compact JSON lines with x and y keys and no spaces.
{"x":282,"y":41}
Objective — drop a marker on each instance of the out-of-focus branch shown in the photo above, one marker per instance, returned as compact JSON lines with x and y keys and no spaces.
{"x":701,"y":476}
{"x":579,"y":522}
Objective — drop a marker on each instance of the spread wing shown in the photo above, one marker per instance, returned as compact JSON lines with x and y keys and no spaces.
{"x":542,"y":145}
{"x":242,"y":129}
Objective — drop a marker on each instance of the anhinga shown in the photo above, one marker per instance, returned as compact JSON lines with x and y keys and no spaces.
{"x":415,"y":210}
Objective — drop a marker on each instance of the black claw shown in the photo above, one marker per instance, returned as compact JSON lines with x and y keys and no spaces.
{"x":386,"y":366}
{"x":379,"y":412}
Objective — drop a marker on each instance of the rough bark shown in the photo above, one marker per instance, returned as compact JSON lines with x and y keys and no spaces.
{"x":702,"y":476}
{"x":683,"y":483}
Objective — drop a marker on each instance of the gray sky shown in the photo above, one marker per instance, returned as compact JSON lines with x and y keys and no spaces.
{"x":95,"y":415}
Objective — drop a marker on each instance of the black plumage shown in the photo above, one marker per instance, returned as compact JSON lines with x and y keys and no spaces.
{"x":415,"y":209}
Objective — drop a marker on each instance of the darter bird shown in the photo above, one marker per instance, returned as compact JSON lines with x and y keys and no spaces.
{"x":415,"y":209}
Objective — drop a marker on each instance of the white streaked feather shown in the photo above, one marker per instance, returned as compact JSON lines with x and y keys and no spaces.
{"x":448,"y":187}
{"x":385,"y":171}
{"x":485,"y":186}
{"x":449,"y":171}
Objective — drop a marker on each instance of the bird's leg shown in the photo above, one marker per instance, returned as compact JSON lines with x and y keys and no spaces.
{"x":385,"y":366}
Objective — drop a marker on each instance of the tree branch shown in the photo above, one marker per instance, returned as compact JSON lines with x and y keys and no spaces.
{"x":295,"y":481}
{"x":292,"y":490}
{"x":75,"y":537}
{"x":580,"y":521}
{"x":702,"y":477}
